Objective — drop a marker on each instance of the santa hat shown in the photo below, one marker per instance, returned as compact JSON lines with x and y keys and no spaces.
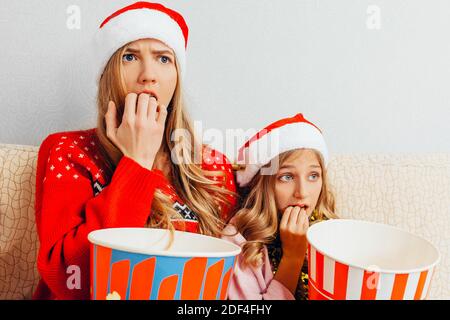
{"x":142,"y":20}
{"x":275,"y":139}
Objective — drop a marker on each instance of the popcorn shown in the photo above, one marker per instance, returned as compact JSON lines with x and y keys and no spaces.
{"x":113,"y":296}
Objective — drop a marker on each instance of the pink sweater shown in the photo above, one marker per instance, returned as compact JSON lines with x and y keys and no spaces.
{"x":249,"y":283}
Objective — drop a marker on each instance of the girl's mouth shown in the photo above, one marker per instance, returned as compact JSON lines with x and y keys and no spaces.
{"x":303,"y":206}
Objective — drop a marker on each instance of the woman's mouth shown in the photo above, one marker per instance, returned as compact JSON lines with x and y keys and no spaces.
{"x":150,"y":93}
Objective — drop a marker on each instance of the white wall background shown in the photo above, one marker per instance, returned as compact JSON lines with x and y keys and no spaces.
{"x":250,"y":62}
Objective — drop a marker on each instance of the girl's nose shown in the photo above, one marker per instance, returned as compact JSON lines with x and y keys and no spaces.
{"x":300,"y":190}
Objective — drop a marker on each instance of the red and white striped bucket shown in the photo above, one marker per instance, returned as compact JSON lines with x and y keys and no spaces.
{"x":360,"y":260}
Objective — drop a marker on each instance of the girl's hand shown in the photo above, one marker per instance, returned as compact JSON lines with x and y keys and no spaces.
{"x":293,"y":227}
{"x":140,"y":134}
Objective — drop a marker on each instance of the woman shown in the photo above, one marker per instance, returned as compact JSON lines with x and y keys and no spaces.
{"x":133,"y":170}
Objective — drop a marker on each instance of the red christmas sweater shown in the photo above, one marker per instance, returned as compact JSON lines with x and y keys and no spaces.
{"x":75,"y":194}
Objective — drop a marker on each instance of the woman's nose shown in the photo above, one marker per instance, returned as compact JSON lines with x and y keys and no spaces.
{"x":148,"y":74}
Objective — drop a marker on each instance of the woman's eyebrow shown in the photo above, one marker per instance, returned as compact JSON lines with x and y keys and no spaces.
{"x":132,"y":50}
{"x":162,"y":52}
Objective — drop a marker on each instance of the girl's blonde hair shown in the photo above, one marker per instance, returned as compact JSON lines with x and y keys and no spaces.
{"x":257,"y":220}
{"x":200,"y":193}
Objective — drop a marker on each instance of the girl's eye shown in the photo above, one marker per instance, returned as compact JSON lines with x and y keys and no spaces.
{"x":165,"y":59}
{"x":314,"y":176}
{"x":128,"y":57}
{"x":286,"y":178}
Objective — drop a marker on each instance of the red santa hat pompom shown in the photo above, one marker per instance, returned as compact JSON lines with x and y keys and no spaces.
{"x":142,"y":20}
{"x":279,"y":137}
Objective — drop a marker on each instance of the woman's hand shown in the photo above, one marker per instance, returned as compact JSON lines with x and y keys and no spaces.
{"x":140,"y":134}
{"x":293,"y":227}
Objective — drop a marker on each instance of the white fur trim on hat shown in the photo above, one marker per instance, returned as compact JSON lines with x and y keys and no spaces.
{"x":136,"y":24}
{"x":296,"y":133}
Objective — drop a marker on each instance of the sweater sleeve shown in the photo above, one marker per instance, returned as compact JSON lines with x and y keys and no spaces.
{"x":67,"y":211}
{"x":253,"y":283}
{"x":213,"y":160}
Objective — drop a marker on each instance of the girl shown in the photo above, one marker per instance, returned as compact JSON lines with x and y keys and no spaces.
{"x":133,"y":170}
{"x":281,"y":200}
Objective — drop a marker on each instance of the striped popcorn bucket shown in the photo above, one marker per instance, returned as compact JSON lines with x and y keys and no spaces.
{"x":135,"y":264}
{"x":360,"y":260}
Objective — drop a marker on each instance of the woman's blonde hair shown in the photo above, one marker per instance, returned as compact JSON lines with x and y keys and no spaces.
{"x":257,"y":220}
{"x":199,"y":192}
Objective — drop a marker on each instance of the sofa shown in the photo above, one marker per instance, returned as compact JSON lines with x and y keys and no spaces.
{"x":409,"y":191}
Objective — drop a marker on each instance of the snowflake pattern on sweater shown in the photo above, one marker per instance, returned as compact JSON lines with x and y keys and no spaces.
{"x":78,"y":153}
{"x":75,"y":151}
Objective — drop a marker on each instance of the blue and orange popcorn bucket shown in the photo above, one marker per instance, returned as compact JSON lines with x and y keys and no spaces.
{"x":360,"y":260}
{"x":138,"y":264}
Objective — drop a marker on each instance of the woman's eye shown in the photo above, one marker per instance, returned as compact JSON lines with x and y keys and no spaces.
{"x":165,"y":59}
{"x":128,"y":57}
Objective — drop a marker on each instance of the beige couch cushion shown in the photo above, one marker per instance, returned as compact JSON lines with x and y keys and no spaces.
{"x":408,"y":191}
{"x":18,"y":237}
